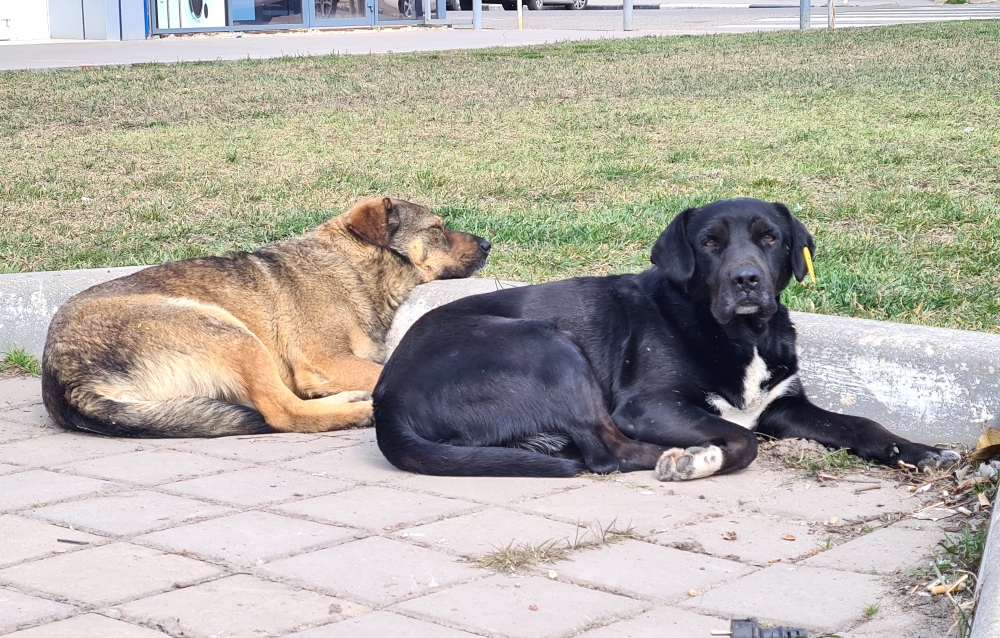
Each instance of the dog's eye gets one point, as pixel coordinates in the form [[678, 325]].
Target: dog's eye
[[710, 243], [768, 239]]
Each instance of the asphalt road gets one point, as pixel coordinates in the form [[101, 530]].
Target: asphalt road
[[730, 19]]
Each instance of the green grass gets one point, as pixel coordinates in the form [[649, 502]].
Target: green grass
[[17, 358], [570, 157], [829, 462]]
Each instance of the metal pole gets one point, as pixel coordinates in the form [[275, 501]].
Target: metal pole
[[520, 15], [442, 10], [804, 13], [477, 15], [425, 9], [627, 15], [831, 14]]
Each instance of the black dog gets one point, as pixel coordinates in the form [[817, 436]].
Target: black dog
[[673, 368]]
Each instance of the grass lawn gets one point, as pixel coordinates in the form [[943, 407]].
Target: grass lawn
[[570, 157]]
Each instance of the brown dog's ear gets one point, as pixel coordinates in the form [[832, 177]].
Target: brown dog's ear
[[373, 221], [672, 252], [800, 239]]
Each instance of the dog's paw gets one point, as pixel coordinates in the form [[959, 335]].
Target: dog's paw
[[351, 396], [938, 459], [677, 464]]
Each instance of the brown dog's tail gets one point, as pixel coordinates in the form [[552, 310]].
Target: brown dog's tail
[[174, 418]]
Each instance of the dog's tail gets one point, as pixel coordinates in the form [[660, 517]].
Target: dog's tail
[[173, 418], [408, 451]]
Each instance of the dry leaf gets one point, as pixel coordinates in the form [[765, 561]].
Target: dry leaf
[[988, 445]]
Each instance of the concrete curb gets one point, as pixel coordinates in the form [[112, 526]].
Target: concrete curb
[[986, 623], [928, 384]]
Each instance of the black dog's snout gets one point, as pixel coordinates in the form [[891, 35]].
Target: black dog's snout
[[747, 278], [485, 245]]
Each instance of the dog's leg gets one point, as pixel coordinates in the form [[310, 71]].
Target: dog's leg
[[796, 417], [698, 443], [350, 376]]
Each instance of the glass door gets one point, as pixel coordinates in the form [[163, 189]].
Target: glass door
[[340, 13]]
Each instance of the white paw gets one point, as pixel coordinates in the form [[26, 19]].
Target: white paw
[[351, 396], [677, 464], [942, 458]]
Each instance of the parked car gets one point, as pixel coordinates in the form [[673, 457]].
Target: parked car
[[533, 5]]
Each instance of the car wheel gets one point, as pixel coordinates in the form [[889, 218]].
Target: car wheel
[[576, 4], [453, 5], [534, 5]]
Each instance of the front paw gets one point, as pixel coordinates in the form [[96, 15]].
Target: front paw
[[937, 458], [677, 464]]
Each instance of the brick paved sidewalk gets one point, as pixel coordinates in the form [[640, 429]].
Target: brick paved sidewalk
[[317, 536]]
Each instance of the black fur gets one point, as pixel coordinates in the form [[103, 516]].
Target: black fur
[[621, 366]]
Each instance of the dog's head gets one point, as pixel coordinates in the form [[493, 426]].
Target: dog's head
[[741, 253], [414, 232]]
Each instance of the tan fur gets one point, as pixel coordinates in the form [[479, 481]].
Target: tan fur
[[295, 331]]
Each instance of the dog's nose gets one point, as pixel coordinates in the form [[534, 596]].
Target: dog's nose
[[746, 278], [485, 245]]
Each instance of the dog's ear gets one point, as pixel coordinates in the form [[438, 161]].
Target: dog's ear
[[800, 239], [672, 252], [374, 221]]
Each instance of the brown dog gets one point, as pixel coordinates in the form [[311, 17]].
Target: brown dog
[[286, 339]]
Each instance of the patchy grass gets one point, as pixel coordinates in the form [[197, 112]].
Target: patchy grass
[[570, 157], [17, 358], [517, 557], [830, 462]]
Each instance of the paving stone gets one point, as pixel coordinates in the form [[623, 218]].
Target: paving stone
[[490, 490], [13, 431], [20, 390], [664, 622], [257, 486], [377, 570], [49, 451], [381, 624], [811, 501], [34, 487], [637, 568], [758, 539], [250, 538], [604, 503], [131, 513], [238, 607], [151, 467], [883, 551], [377, 508], [17, 610], [89, 626], [362, 462], [266, 448], [30, 414], [482, 532], [734, 489], [108, 574], [792, 595], [503, 605], [24, 539]]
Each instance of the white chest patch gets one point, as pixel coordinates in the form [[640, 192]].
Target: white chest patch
[[755, 397]]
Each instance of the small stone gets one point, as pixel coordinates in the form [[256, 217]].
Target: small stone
[[533, 607], [833, 520], [552, 574], [692, 592], [788, 537]]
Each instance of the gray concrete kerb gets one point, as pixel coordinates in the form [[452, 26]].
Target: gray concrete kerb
[[929, 384]]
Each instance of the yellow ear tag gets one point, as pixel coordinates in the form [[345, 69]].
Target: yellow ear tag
[[809, 263]]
